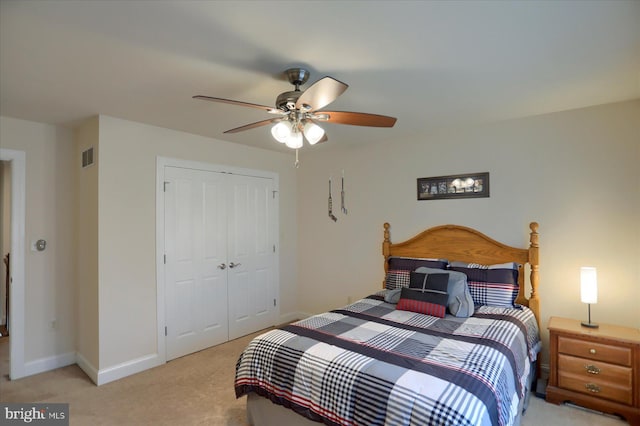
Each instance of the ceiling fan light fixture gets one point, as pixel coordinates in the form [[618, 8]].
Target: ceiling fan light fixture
[[281, 132], [313, 132], [294, 141]]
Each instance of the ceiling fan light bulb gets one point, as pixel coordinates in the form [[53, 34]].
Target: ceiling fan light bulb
[[294, 141], [281, 132], [313, 132]]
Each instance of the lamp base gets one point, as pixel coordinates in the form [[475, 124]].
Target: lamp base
[[589, 324]]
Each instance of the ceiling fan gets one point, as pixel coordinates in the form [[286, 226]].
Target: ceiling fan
[[298, 112]]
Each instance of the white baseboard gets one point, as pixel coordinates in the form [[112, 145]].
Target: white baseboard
[[99, 377], [289, 317], [87, 367], [127, 368], [106, 375], [304, 315], [292, 316], [49, 363]]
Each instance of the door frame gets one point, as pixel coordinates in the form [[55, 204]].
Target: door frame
[[161, 163], [17, 294]]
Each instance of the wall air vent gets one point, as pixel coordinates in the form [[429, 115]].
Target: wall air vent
[[87, 157]]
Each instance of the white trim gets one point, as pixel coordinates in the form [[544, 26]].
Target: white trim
[[220, 168], [292, 316], [161, 163], [18, 161], [50, 363], [87, 367], [128, 368], [106, 375], [303, 315], [160, 278]]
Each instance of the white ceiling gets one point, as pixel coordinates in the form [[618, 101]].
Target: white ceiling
[[428, 63]]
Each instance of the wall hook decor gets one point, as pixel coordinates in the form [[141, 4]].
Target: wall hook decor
[[342, 206], [331, 215]]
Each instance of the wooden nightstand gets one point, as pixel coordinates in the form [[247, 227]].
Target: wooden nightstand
[[598, 368]]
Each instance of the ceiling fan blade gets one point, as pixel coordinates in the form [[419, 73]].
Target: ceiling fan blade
[[253, 125], [271, 110], [320, 94], [355, 118]]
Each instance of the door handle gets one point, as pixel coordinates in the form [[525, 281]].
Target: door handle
[[233, 265], [222, 266]]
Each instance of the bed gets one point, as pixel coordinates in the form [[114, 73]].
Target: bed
[[397, 357]]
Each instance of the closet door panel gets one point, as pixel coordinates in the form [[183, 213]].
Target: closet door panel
[[251, 282], [195, 245], [220, 268]]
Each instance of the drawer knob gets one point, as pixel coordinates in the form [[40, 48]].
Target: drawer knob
[[592, 387], [592, 351], [592, 369]]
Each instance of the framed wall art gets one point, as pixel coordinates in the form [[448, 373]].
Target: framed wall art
[[470, 185]]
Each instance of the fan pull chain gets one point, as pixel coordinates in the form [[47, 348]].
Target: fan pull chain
[[297, 163]]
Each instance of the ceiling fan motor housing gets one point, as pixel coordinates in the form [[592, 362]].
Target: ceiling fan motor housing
[[287, 101]]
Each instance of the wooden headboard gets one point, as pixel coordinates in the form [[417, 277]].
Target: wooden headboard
[[460, 243]]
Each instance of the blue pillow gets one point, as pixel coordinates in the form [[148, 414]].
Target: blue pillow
[[392, 296], [460, 302]]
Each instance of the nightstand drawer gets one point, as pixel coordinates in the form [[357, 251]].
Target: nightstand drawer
[[596, 351], [595, 387], [596, 370]]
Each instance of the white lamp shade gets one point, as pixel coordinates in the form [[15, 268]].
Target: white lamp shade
[[313, 132], [281, 132], [294, 141], [588, 285]]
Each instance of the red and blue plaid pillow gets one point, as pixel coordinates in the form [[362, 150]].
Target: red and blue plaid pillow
[[427, 294], [398, 275], [491, 285]]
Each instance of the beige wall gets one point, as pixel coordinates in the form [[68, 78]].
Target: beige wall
[[87, 327], [110, 249], [50, 275], [127, 239], [574, 172]]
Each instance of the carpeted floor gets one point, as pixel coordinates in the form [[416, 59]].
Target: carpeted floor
[[193, 390]]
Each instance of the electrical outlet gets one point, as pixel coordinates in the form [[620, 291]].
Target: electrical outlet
[[53, 324]]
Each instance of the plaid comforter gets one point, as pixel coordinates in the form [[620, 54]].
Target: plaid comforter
[[370, 364]]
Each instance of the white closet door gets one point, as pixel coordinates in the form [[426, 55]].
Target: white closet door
[[251, 254], [196, 247]]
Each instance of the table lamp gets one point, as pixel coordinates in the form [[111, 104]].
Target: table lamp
[[589, 291]]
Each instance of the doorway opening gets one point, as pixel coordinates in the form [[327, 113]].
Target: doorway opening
[[14, 228]]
